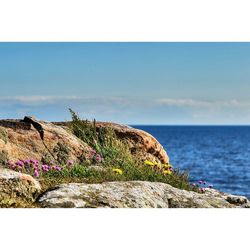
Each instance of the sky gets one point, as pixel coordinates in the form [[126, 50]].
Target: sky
[[130, 83]]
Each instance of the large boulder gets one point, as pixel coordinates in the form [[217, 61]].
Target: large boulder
[[15, 186], [30, 138], [141, 143], [134, 194], [33, 139]]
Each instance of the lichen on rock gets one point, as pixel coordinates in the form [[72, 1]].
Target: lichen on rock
[[134, 194], [16, 186]]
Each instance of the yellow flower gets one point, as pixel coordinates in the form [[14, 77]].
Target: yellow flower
[[117, 171], [167, 165], [167, 172], [150, 163]]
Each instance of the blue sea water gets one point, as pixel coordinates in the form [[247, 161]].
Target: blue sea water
[[219, 155]]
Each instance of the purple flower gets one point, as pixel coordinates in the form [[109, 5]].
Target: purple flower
[[36, 173], [32, 161], [98, 158], [204, 182], [20, 163], [210, 186], [26, 162], [200, 182], [58, 168], [45, 168]]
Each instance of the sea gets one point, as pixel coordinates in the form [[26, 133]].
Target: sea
[[219, 155]]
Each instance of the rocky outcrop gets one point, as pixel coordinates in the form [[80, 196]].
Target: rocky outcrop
[[135, 194], [14, 185], [141, 143], [30, 138]]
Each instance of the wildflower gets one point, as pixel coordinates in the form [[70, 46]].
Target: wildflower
[[200, 182], [57, 168], [98, 158], [19, 163], [204, 183], [36, 173], [167, 165], [117, 171], [32, 161], [26, 162], [167, 172], [45, 168], [210, 186], [149, 163]]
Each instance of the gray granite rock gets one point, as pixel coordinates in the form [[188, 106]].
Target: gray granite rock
[[135, 194]]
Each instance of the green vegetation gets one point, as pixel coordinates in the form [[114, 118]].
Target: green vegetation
[[113, 154], [110, 159]]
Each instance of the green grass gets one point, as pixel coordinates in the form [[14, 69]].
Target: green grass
[[115, 154], [80, 173]]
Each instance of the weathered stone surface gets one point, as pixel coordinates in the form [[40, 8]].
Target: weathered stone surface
[[133, 194], [141, 143], [22, 139], [30, 138], [17, 185]]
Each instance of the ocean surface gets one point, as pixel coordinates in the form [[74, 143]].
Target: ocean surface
[[219, 155]]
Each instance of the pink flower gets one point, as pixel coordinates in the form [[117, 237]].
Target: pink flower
[[32, 161], [26, 162], [45, 168], [20, 163], [98, 158], [58, 168], [36, 173]]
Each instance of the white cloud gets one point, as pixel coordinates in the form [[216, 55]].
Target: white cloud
[[204, 104], [123, 101], [130, 109]]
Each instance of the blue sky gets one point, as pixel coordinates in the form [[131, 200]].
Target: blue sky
[[132, 83]]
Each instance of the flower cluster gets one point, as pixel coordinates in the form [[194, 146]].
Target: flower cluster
[[202, 185], [94, 156], [33, 167], [166, 169]]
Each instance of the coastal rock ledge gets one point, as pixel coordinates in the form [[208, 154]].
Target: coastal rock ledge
[[136, 194], [32, 138]]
